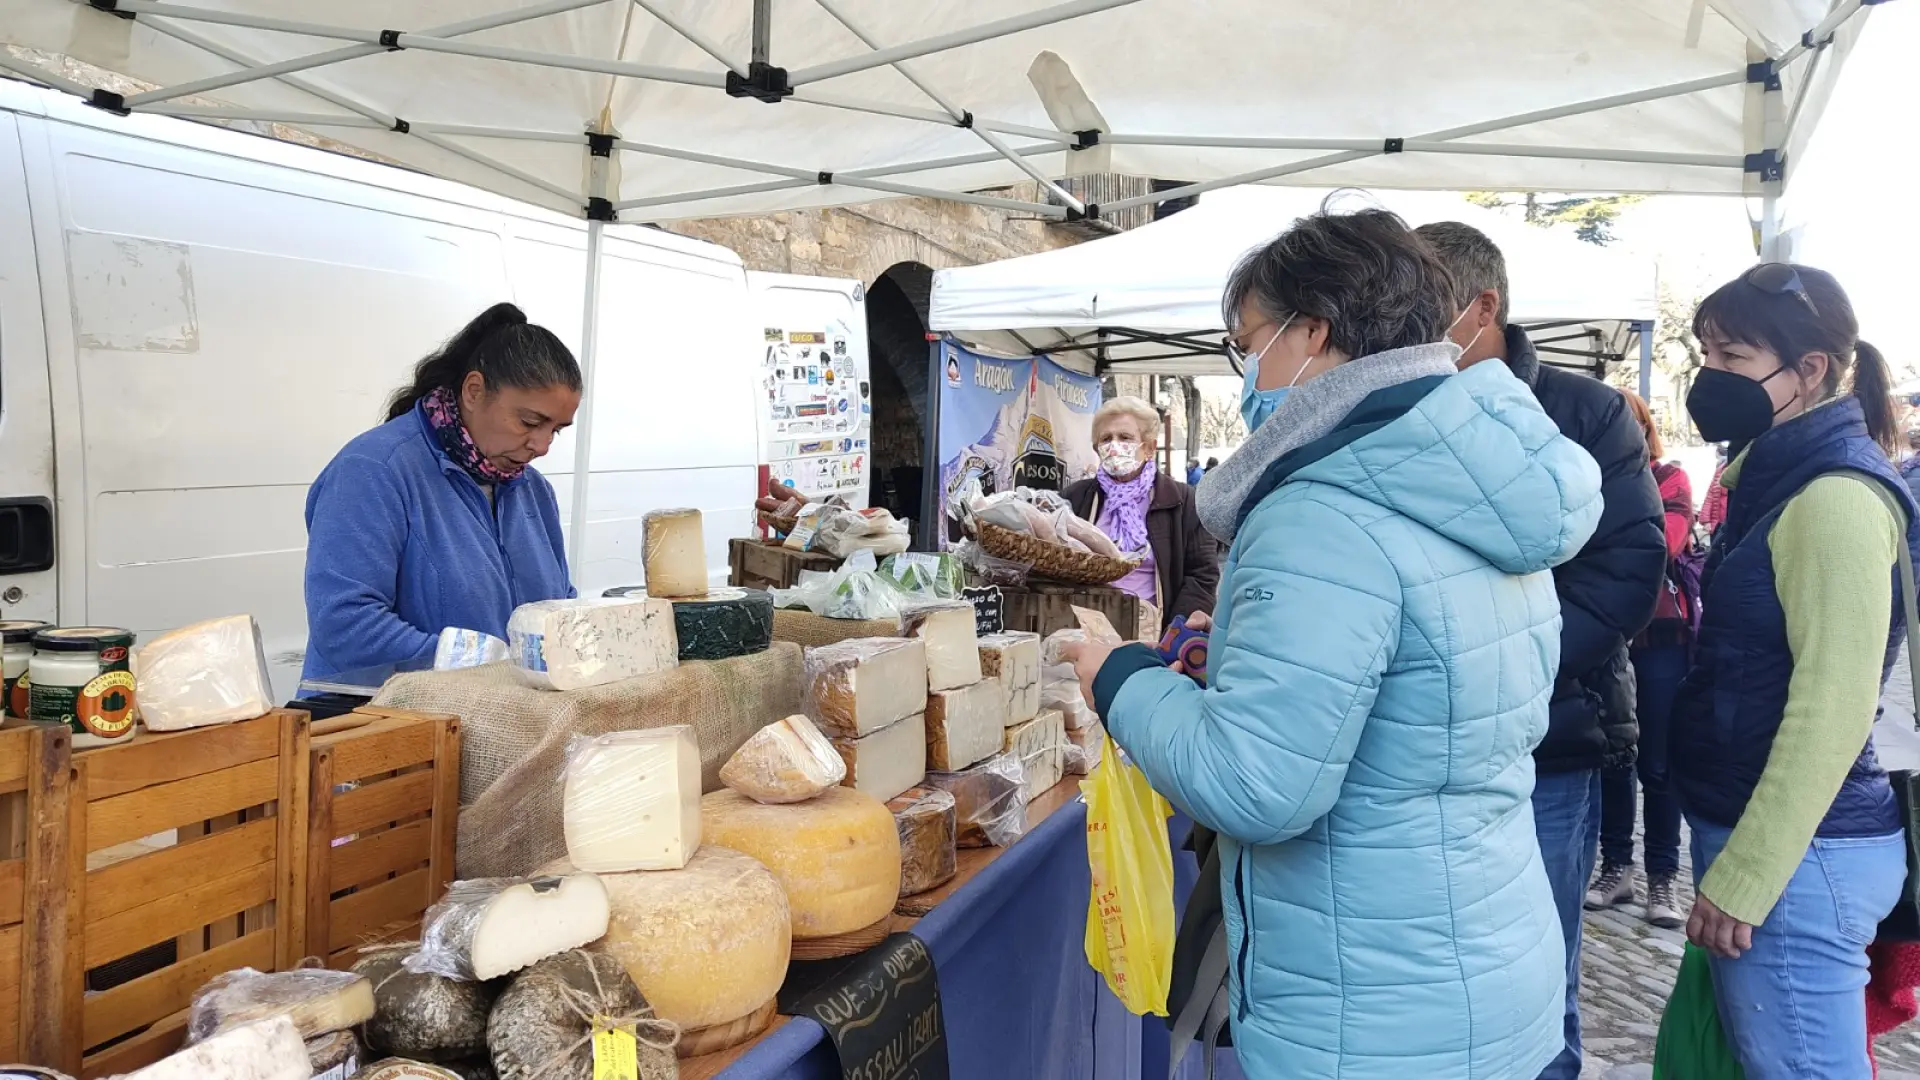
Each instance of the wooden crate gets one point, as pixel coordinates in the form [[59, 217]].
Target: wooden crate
[[381, 851], [1042, 609], [226, 889], [35, 780], [760, 564]]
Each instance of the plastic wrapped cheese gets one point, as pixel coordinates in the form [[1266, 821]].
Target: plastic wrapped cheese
[[784, 762], [1084, 747], [674, 548], [214, 672], [886, 762], [965, 726], [467, 648], [953, 643], [316, 1000], [990, 801], [926, 821], [631, 800], [708, 944], [859, 686], [574, 644], [264, 1050], [1041, 746], [489, 927], [837, 856], [1014, 659]]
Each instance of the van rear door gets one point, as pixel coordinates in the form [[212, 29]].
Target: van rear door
[[28, 589]]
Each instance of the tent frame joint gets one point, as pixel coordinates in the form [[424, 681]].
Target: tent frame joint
[[1394, 146], [111, 7], [966, 120], [1085, 140], [401, 126], [1091, 213], [763, 82], [599, 209], [1765, 72], [1807, 42], [109, 101], [390, 40], [600, 144], [825, 178], [1770, 164]]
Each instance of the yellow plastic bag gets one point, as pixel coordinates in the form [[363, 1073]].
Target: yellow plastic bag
[[1130, 919]]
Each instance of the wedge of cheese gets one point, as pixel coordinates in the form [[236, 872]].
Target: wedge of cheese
[[860, 686], [1041, 746], [574, 644], [990, 801], [953, 643], [213, 672], [784, 762], [1014, 659], [263, 1050], [965, 725], [887, 762], [925, 819], [631, 800]]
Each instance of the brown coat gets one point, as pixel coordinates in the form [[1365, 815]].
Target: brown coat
[[1186, 555]]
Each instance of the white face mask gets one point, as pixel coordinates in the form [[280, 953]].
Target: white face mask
[[1119, 457]]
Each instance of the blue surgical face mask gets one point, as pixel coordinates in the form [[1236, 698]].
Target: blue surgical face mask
[[1257, 404]]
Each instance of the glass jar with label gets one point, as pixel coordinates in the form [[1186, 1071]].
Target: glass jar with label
[[82, 677], [17, 638]]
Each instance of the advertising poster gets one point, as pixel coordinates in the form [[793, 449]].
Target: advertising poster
[[817, 402]]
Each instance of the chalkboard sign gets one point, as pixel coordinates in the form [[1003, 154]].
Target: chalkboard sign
[[989, 609], [881, 1009]]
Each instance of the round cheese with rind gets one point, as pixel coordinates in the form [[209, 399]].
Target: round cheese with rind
[[837, 855]]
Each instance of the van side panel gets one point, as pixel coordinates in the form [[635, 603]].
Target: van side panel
[[26, 419]]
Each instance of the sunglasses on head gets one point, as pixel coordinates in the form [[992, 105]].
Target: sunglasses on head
[[1780, 279]]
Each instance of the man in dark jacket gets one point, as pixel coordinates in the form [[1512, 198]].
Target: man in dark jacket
[[1607, 592]]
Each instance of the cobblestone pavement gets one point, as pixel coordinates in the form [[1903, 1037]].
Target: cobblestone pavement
[[1627, 970]]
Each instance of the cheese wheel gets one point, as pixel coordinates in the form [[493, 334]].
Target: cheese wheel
[[707, 944], [837, 856], [675, 552]]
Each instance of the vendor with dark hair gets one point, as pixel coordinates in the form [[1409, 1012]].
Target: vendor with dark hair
[[434, 519]]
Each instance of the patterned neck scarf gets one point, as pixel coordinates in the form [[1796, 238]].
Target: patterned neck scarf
[[443, 416], [1123, 515]]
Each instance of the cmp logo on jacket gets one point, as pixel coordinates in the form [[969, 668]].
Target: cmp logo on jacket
[[1256, 594]]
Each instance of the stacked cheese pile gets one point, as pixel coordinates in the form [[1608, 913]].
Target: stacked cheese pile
[[966, 710], [870, 696], [1035, 736]]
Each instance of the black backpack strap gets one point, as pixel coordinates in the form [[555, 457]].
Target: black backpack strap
[[1207, 1000]]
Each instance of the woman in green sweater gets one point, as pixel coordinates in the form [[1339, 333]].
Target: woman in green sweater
[[1797, 844]]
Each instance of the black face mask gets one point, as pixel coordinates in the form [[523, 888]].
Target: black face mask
[[1731, 408]]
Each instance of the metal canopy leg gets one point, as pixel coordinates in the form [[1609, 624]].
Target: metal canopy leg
[[583, 428], [1646, 361]]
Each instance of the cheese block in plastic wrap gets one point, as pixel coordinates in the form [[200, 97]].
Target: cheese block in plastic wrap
[[574, 644], [1084, 747], [785, 762], [420, 1014], [965, 726], [542, 1026], [1041, 746], [485, 929], [333, 1056], [953, 643], [632, 800], [889, 761], [674, 550], [837, 856], [316, 1000], [1014, 659], [214, 672], [1076, 713], [723, 624], [990, 801], [707, 945], [863, 685], [926, 820], [263, 1050]]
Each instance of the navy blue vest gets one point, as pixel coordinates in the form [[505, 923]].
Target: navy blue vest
[[1731, 703]]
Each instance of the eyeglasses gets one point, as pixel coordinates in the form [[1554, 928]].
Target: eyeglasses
[[1780, 279], [1235, 352]]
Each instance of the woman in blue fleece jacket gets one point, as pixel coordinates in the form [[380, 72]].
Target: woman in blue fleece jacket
[[434, 519]]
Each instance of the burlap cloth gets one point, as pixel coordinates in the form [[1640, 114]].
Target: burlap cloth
[[805, 628], [514, 739]]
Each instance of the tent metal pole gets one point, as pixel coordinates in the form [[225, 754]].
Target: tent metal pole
[[1436, 146], [700, 41], [1046, 210], [744, 164], [245, 21], [1254, 177], [926, 116], [261, 116], [1073, 9], [712, 193], [762, 31], [947, 163], [1773, 130], [789, 185], [1842, 11], [583, 437], [43, 76], [1646, 361]]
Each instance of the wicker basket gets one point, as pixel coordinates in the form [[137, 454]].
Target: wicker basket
[[1052, 560]]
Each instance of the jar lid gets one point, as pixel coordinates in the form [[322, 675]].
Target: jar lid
[[16, 631], [82, 639]]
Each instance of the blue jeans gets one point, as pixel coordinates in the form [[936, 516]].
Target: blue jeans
[[1657, 673], [1566, 819], [1795, 1004]]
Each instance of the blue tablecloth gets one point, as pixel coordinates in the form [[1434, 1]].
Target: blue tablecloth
[[1018, 996]]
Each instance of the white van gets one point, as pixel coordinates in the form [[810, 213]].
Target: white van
[[194, 320]]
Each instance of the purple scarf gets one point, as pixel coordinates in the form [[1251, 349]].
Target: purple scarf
[[1123, 516], [443, 416]]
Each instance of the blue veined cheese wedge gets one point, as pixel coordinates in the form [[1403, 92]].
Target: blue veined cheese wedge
[[575, 644]]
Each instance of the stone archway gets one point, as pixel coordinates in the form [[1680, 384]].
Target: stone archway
[[897, 365]]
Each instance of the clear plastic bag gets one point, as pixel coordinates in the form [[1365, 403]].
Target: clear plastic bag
[[1059, 685], [214, 672], [855, 591], [616, 785], [987, 569], [990, 799], [859, 686], [315, 999], [919, 573], [876, 530], [467, 648]]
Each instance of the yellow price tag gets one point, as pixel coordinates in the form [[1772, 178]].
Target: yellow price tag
[[616, 1055]]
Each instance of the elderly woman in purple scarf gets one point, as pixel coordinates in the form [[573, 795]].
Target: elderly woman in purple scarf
[[1147, 513]]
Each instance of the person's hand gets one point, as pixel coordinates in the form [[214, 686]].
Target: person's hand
[[1087, 658], [1200, 621], [1716, 931]]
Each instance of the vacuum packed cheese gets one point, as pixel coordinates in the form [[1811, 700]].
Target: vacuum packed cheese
[[1084, 746], [886, 762], [316, 1000], [542, 1026], [863, 685], [263, 1050], [1041, 746], [675, 552], [990, 801], [926, 821], [494, 926], [1078, 715], [632, 800], [333, 1056], [707, 945], [1015, 660], [837, 856], [420, 1014], [784, 762], [573, 644], [965, 726], [953, 643], [213, 672], [723, 624]]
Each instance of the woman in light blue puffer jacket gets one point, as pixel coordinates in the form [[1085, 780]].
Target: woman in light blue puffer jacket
[[1383, 652]]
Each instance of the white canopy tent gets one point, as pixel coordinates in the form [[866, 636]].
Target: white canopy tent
[[654, 109], [1147, 301]]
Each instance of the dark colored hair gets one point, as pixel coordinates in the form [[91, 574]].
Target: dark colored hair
[[1791, 325], [1212, 461], [1473, 259], [504, 348], [1374, 282]]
